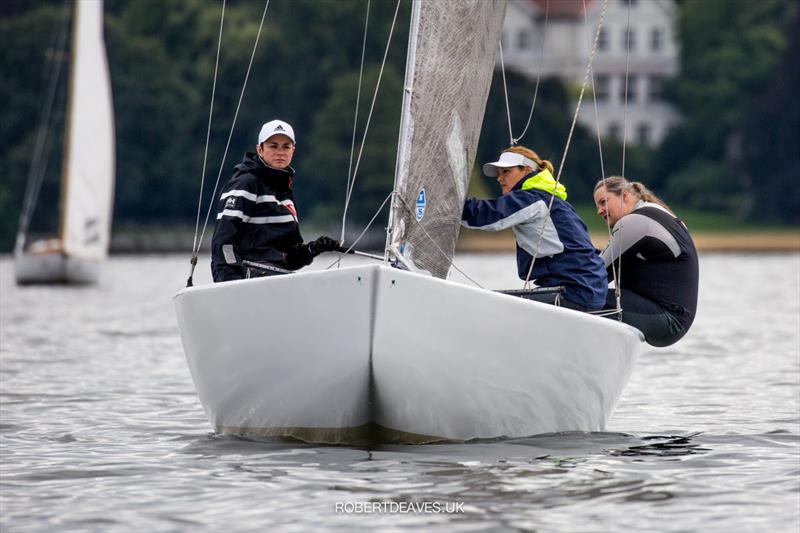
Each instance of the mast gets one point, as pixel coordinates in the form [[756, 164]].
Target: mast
[[62, 204], [451, 52], [406, 124]]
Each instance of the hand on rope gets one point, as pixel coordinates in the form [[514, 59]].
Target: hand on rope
[[323, 244]]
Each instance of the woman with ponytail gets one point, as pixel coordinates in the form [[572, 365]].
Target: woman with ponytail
[[653, 257], [545, 225]]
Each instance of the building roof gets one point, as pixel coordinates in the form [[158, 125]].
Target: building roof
[[563, 9]]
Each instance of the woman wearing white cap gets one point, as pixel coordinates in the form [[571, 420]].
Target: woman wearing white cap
[[564, 253], [257, 220]]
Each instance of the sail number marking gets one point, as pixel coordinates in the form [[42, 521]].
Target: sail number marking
[[422, 199]]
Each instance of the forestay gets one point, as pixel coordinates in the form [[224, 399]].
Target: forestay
[[451, 54]]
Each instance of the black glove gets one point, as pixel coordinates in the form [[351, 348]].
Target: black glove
[[323, 244]]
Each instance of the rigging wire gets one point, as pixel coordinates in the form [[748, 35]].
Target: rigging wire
[[515, 141], [227, 145], [618, 309], [433, 241], [205, 152], [364, 232], [38, 159], [350, 176], [617, 290], [505, 93], [569, 138], [371, 108]]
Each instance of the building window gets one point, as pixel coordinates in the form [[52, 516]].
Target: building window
[[602, 87], [656, 39], [631, 96], [523, 40], [629, 40], [644, 133], [654, 87], [614, 130], [602, 40]]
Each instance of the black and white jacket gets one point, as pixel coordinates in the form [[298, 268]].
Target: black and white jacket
[[256, 221]]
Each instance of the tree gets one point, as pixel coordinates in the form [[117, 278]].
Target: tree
[[729, 53], [770, 139]]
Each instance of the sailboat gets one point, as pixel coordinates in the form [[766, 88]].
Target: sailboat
[[76, 253], [393, 351]]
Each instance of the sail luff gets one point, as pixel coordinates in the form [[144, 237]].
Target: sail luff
[[448, 74], [406, 126], [63, 204], [88, 178]]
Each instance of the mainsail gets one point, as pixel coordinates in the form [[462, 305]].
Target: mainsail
[[88, 180], [451, 55]]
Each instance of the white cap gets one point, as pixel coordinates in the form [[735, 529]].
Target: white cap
[[508, 159], [275, 127]]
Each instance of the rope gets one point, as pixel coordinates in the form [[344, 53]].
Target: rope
[[514, 141], [445, 254], [369, 224], [193, 260], [230, 135], [602, 167], [569, 138], [350, 176], [371, 109], [38, 159], [505, 93], [618, 269]]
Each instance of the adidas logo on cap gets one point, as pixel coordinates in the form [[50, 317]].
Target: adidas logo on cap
[[275, 127]]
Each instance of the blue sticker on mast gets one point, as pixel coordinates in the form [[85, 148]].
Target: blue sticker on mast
[[421, 201]]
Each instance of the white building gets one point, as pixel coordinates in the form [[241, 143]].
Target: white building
[[639, 32]]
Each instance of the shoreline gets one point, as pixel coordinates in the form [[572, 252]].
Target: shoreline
[[705, 241], [470, 241]]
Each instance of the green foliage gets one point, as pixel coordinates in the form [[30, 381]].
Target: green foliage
[[729, 56], [705, 184], [31, 51], [770, 139], [305, 70]]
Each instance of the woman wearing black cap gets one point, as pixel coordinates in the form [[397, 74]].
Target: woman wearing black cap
[[257, 220]]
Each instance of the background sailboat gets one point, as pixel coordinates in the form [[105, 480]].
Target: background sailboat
[[87, 182]]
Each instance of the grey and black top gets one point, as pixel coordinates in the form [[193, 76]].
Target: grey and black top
[[658, 260]]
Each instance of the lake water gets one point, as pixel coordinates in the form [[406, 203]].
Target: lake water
[[101, 429]]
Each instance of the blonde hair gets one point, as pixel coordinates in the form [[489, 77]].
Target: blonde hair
[[530, 154], [617, 185]]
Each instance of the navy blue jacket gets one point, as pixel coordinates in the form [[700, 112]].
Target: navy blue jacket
[[565, 255], [256, 221]]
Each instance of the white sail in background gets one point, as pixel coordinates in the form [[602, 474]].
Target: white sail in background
[[448, 62], [88, 181]]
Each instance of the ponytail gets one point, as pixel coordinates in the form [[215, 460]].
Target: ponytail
[[530, 154]]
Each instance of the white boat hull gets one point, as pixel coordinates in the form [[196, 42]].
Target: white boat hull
[[55, 268], [376, 353]]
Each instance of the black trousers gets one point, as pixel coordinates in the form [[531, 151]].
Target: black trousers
[[660, 326]]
